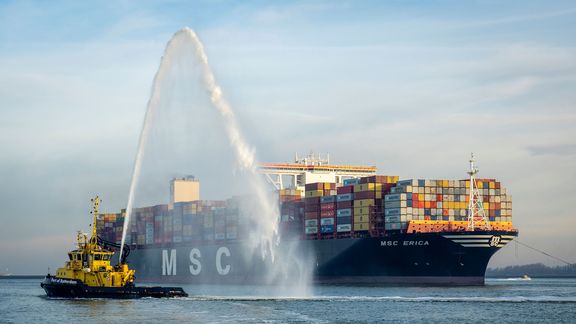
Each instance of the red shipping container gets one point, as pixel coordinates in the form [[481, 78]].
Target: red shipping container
[[314, 186], [327, 213], [312, 215], [312, 200], [330, 206], [374, 179], [365, 195], [345, 189], [344, 204], [312, 208]]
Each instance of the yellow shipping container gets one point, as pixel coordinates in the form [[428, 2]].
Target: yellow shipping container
[[364, 203], [392, 179], [314, 193], [365, 211], [361, 219], [361, 226], [368, 187]]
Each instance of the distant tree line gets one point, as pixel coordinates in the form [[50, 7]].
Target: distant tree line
[[533, 270]]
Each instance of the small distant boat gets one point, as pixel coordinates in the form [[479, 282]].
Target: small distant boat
[[526, 277], [89, 274]]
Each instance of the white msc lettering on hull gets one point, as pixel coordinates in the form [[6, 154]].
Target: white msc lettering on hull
[[169, 264], [222, 250], [196, 266], [404, 243]]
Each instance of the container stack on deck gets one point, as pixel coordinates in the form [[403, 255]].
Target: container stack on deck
[[443, 200], [368, 206], [345, 207], [313, 207]]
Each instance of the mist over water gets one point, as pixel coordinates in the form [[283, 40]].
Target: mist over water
[[186, 126]]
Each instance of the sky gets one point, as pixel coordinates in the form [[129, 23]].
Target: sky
[[411, 87]]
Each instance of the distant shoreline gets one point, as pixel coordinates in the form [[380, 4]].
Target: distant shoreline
[[22, 277]]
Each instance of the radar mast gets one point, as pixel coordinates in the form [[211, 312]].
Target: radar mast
[[476, 213]]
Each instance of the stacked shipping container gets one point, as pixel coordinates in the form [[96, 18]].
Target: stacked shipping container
[[443, 200], [360, 207], [368, 208], [313, 209]]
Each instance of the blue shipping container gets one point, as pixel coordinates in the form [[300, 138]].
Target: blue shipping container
[[348, 182], [345, 197], [327, 229], [344, 212], [327, 199], [344, 220]]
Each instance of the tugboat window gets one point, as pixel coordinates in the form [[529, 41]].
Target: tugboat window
[[98, 257]]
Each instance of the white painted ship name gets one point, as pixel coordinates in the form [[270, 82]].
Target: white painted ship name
[[404, 243]]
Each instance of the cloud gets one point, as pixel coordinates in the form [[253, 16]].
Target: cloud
[[555, 149], [512, 19]]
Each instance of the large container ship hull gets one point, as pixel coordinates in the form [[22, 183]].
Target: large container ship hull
[[450, 258]]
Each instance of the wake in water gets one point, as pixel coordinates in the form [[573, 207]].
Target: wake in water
[[500, 299], [290, 269]]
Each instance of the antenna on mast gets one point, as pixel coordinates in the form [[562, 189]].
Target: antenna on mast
[[476, 213]]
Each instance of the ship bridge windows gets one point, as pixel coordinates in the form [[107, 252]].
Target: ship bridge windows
[[70, 256], [98, 257]]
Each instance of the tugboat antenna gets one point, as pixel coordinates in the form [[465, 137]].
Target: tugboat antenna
[[476, 212]]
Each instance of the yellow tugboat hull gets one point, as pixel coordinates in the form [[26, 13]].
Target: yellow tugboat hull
[[67, 288]]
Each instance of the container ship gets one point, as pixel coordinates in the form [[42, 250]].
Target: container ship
[[352, 225]]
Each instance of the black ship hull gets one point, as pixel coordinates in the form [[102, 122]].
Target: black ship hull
[[450, 258], [66, 288]]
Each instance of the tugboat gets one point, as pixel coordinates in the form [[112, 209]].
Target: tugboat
[[89, 274]]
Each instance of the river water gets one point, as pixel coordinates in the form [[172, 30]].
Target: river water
[[500, 301]]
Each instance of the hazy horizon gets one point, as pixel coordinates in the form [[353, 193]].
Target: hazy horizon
[[409, 87]]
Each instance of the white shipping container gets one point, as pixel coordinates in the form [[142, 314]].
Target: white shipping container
[[326, 221], [392, 219], [311, 230], [311, 222], [392, 226], [343, 228]]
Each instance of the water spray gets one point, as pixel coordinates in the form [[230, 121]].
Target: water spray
[[266, 211]]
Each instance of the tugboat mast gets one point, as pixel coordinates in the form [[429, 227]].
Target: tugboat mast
[[476, 213], [96, 200]]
